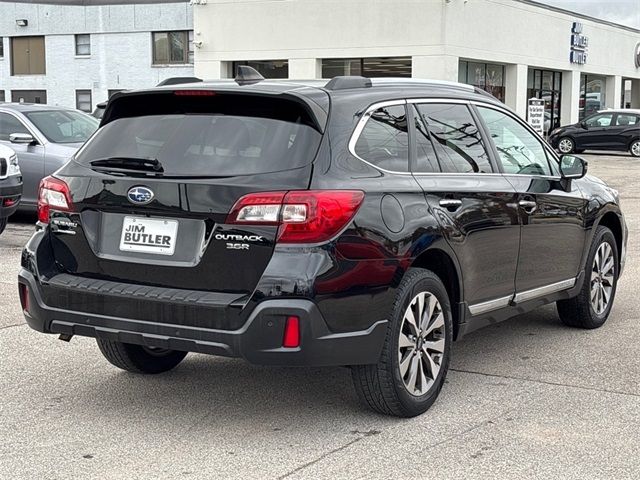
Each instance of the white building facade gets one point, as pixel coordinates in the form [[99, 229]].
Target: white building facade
[[516, 49], [75, 54]]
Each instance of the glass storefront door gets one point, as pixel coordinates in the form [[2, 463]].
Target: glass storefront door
[[592, 93], [487, 76], [547, 85]]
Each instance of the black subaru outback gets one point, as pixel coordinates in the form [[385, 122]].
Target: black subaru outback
[[365, 223]]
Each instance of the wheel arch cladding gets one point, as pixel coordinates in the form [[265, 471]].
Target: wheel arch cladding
[[441, 263], [613, 223]]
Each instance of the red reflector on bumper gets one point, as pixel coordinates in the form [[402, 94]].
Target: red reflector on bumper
[[23, 290], [291, 333]]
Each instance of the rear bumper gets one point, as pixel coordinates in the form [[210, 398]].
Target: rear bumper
[[259, 340], [10, 193]]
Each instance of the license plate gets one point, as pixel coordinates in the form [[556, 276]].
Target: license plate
[[148, 236]]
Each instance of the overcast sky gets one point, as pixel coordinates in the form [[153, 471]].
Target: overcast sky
[[625, 12]]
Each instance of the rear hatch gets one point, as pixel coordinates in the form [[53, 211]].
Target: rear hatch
[[151, 191]]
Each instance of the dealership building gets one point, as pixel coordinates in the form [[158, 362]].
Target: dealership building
[[76, 53], [515, 49]]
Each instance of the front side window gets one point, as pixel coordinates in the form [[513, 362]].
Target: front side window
[[172, 47], [602, 120], [10, 124], [83, 45], [63, 126], [384, 141], [456, 138], [519, 151], [625, 119]]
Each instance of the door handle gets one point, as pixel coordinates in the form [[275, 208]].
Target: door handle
[[528, 206], [450, 204]]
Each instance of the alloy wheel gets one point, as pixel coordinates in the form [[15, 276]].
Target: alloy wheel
[[421, 344], [635, 149], [565, 145], [602, 278]]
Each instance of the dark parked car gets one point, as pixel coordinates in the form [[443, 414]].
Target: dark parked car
[[44, 137], [617, 130], [366, 223], [10, 185]]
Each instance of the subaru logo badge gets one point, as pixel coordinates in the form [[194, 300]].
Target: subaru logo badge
[[140, 195]]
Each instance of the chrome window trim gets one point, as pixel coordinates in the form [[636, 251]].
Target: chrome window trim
[[410, 101], [545, 290], [355, 136], [501, 302]]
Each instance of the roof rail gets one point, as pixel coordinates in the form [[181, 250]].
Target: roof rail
[[246, 75], [346, 82]]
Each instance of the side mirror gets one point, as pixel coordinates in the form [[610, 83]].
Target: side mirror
[[24, 138], [584, 125], [572, 167]]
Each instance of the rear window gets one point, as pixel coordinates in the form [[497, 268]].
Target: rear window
[[211, 136]]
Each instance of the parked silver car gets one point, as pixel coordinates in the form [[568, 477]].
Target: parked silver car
[[44, 138]]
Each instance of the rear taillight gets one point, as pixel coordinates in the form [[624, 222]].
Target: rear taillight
[[53, 194], [304, 216]]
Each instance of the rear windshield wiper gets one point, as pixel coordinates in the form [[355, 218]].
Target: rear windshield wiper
[[128, 163]]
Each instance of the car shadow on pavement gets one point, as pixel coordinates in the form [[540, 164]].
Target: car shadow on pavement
[[232, 390]]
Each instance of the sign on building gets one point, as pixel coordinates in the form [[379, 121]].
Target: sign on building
[[579, 44], [535, 115]]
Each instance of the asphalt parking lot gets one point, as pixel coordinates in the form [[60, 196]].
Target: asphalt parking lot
[[528, 398]]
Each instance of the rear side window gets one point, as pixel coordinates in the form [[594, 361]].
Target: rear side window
[[624, 119], [384, 141], [225, 135], [456, 138]]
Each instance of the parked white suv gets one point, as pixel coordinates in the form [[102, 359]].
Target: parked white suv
[[10, 184]]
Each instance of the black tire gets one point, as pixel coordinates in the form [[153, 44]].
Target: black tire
[[3, 224], [381, 386], [139, 359], [571, 148], [634, 148], [579, 311]]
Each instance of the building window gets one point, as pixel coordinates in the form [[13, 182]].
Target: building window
[[487, 76], [27, 56], [1, 47], [83, 100], [367, 67], [29, 96], [172, 47], [592, 93], [547, 85], [2, 97], [83, 45], [266, 68]]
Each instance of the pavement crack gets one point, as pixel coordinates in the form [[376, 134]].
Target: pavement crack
[[331, 452], [546, 382], [13, 325]]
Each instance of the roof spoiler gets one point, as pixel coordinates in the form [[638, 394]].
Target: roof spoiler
[[346, 82], [246, 75]]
